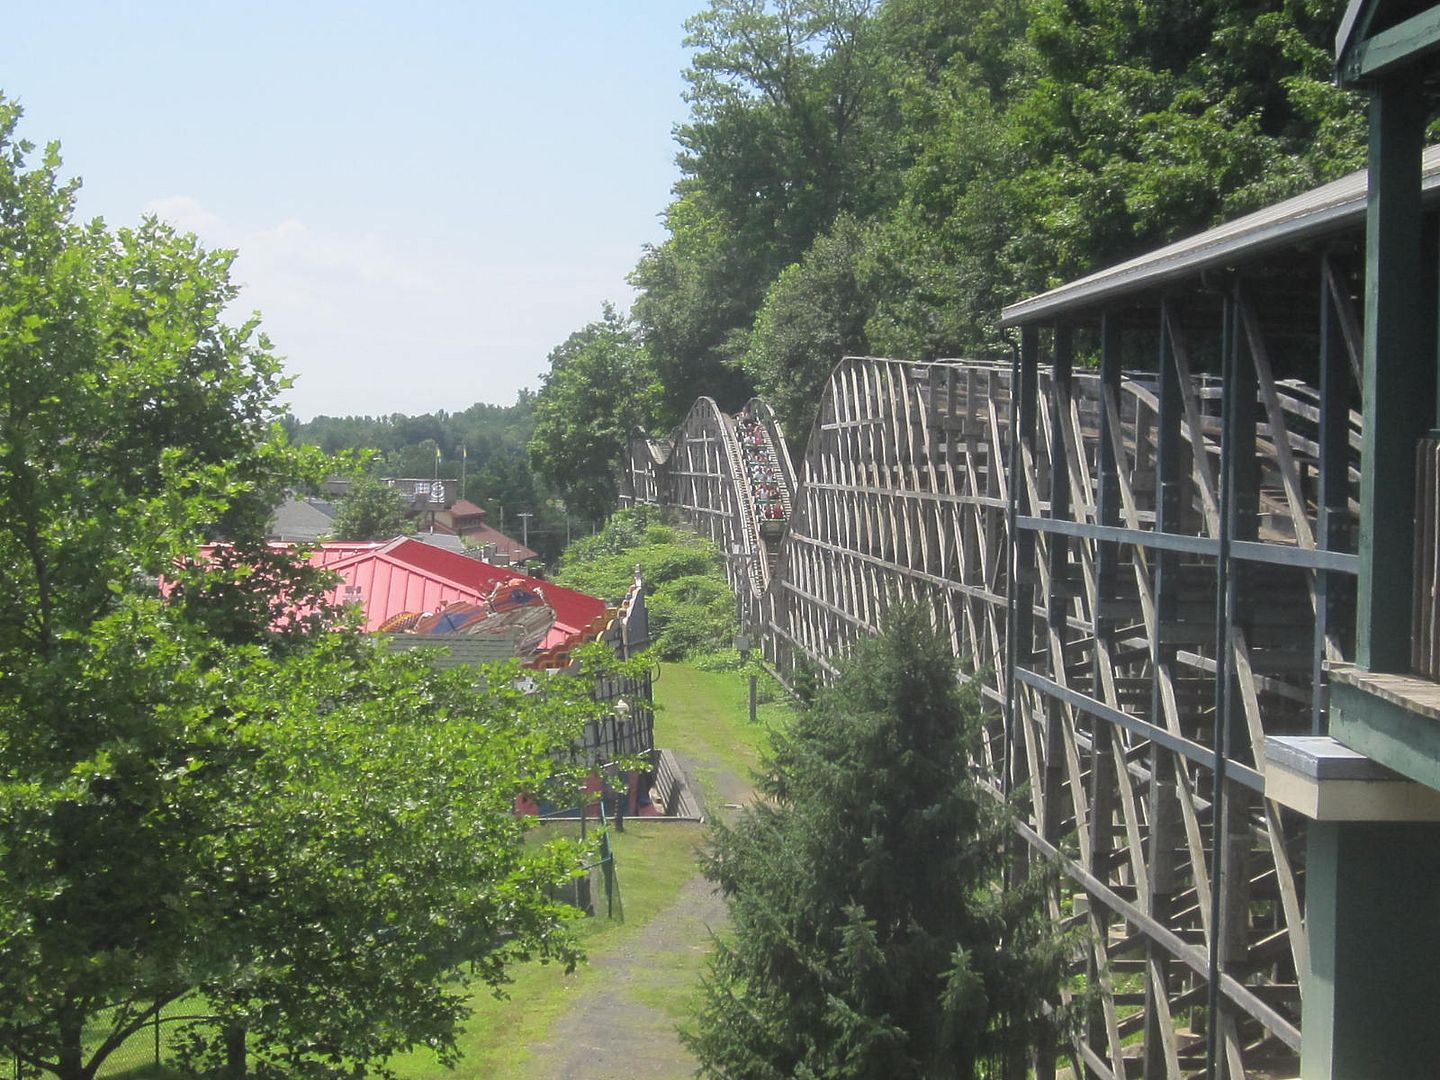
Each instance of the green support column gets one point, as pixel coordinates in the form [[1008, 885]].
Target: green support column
[[1371, 994], [1399, 389], [1372, 998]]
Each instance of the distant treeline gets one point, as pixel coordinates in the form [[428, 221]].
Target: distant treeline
[[486, 444], [881, 176]]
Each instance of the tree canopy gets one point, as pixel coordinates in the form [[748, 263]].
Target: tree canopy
[[370, 510], [599, 387], [882, 176], [207, 780], [485, 446]]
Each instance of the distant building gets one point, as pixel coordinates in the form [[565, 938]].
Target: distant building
[[422, 494], [438, 512], [468, 612], [302, 521], [393, 579], [465, 611], [467, 521]]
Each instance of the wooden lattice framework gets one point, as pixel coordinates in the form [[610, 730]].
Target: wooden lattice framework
[[1092, 537]]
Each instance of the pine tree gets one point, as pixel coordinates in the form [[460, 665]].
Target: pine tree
[[871, 937]]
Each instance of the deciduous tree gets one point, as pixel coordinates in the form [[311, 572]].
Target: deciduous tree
[[371, 510], [206, 780], [814, 316], [600, 386]]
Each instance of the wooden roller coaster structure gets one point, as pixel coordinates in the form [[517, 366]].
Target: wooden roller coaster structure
[[1147, 572]]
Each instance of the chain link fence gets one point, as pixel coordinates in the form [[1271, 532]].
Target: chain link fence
[[146, 1055]]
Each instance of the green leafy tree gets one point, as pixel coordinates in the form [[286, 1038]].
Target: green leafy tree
[[870, 935], [788, 128], [181, 729], [363, 890], [984, 151], [1053, 138], [485, 446], [814, 316], [691, 607], [371, 510], [787, 107], [599, 388], [697, 296]]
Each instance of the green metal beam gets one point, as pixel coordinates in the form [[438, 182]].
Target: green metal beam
[[1401, 45], [1387, 732], [1371, 996]]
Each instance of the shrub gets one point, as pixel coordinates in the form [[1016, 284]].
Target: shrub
[[692, 610]]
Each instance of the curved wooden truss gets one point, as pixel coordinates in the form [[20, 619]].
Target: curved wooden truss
[[1141, 568], [705, 470]]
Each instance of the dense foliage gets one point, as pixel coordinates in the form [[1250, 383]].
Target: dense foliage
[[486, 446], [882, 176], [206, 780], [689, 600], [871, 936], [371, 510], [598, 389]]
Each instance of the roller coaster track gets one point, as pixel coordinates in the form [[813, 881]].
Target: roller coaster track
[[1066, 530], [705, 469]]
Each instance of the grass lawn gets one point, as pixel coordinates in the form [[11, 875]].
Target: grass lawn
[[704, 715], [652, 863]]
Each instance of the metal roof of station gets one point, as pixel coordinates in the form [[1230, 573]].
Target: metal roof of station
[[1326, 211]]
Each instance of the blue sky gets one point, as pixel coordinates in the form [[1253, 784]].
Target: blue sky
[[426, 198]]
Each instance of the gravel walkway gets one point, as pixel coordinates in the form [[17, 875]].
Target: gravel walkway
[[607, 1034], [616, 1028]]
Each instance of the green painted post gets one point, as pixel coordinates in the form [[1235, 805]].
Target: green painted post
[[1372, 994], [1399, 390]]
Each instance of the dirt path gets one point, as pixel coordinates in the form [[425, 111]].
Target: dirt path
[[617, 1029], [623, 1025]]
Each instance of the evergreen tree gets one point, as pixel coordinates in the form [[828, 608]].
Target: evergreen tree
[[871, 936]]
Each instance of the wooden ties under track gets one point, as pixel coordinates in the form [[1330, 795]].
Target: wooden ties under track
[[1066, 531]]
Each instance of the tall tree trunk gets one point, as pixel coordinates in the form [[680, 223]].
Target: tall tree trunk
[[235, 1064], [72, 1052]]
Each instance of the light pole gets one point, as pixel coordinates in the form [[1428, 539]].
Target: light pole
[[622, 719]]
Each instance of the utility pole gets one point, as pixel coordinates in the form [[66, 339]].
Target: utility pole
[[525, 527]]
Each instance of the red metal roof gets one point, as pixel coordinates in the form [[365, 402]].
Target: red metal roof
[[404, 574], [509, 547]]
